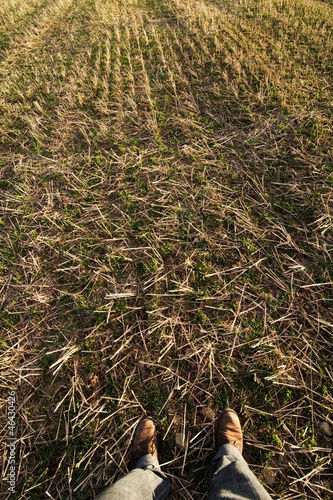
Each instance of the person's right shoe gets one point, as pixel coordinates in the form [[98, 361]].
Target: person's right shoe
[[228, 429]]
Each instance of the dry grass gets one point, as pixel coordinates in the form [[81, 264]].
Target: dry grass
[[166, 233]]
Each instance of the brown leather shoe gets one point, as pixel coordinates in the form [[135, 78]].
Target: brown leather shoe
[[228, 429], [145, 439]]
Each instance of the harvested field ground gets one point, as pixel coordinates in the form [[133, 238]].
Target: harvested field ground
[[166, 238]]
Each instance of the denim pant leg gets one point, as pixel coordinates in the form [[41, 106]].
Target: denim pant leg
[[231, 478], [145, 482]]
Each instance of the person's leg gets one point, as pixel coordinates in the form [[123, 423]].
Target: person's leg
[[146, 481], [230, 476]]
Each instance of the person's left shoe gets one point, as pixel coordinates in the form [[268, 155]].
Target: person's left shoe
[[229, 430], [145, 439]]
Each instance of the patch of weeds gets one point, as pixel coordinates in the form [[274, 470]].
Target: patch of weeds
[[286, 395], [167, 251], [154, 398], [248, 243], [222, 399], [200, 318], [136, 224], [146, 268], [111, 387], [120, 306], [200, 269], [276, 440], [3, 343], [253, 276], [256, 327], [47, 360], [247, 381]]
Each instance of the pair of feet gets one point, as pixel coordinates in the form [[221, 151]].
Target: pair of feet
[[228, 431]]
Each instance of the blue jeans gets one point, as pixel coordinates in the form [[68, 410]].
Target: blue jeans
[[230, 479]]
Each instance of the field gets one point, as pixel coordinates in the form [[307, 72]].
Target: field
[[166, 238]]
